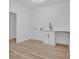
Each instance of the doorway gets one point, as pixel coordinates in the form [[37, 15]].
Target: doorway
[[12, 26]]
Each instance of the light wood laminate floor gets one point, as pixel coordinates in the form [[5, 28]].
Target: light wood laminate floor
[[32, 49]]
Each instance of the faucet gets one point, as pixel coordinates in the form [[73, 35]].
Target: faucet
[[50, 26]]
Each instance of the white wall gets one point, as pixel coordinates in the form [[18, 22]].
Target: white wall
[[12, 25], [22, 24], [58, 14]]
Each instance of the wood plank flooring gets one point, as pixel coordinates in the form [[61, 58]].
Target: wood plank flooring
[[32, 49]]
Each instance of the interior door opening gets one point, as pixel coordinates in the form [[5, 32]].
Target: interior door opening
[[12, 26]]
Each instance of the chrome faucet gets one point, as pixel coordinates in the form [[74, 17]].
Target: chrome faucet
[[50, 26]]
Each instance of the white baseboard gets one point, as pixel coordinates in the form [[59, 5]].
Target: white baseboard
[[62, 43], [12, 37], [35, 38]]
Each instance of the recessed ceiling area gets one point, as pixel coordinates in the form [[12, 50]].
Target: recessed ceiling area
[[38, 3]]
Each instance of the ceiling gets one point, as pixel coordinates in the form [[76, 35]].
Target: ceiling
[[38, 3]]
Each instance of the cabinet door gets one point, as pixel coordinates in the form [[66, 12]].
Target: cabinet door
[[51, 39]]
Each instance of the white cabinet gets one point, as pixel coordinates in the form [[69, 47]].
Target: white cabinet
[[49, 38], [62, 37]]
